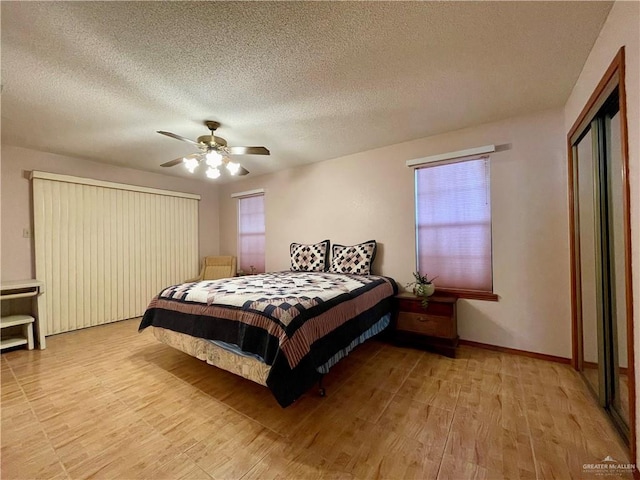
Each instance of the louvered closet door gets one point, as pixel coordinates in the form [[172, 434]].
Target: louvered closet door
[[104, 250]]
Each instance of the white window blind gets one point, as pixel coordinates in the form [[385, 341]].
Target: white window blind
[[453, 224], [105, 249], [251, 233]]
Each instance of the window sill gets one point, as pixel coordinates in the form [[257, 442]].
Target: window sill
[[469, 294]]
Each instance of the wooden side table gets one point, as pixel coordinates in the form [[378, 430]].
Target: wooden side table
[[434, 328]]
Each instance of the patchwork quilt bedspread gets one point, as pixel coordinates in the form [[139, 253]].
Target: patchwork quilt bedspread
[[295, 321]]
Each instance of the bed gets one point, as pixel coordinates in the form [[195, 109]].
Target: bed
[[283, 330]]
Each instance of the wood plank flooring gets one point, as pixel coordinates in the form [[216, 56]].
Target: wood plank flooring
[[108, 402]]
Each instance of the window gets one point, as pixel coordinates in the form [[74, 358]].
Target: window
[[453, 224], [251, 233]]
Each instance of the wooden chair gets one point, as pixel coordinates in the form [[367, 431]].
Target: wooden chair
[[214, 268]]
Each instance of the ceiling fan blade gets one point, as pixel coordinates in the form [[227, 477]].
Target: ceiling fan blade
[[242, 171], [172, 163], [177, 137], [248, 151], [175, 162]]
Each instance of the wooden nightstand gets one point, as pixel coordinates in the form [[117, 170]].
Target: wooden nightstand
[[434, 328]]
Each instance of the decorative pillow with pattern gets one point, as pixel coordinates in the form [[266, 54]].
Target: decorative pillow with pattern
[[309, 258], [356, 259]]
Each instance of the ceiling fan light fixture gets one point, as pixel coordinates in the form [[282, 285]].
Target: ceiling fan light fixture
[[190, 164], [214, 152], [233, 167], [213, 173], [214, 159]]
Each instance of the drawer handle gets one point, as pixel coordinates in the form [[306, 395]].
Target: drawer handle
[[422, 319]]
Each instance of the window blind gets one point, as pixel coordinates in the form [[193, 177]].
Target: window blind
[[104, 249], [453, 224], [251, 233]]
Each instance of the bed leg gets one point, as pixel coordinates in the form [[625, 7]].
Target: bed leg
[[321, 391]]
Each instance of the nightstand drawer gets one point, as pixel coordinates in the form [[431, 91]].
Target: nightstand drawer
[[424, 324], [434, 307]]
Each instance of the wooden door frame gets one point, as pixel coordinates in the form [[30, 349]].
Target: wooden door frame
[[614, 76]]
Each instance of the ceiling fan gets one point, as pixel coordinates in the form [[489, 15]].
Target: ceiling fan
[[215, 153]]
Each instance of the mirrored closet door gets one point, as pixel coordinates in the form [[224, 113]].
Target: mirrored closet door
[[603, 351]]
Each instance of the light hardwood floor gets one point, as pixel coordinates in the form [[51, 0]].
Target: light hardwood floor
[[107, 402]]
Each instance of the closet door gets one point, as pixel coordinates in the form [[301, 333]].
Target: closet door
[[600, 261], [588, 265], [614, 231]]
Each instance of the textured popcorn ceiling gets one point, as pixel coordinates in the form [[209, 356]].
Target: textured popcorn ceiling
[[309, 80]]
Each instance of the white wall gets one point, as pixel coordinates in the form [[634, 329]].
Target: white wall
[[622, 28], [17, 262], [370, 195]]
